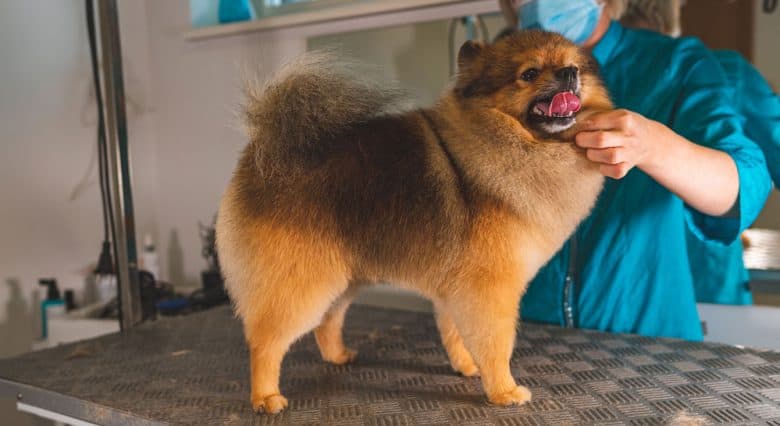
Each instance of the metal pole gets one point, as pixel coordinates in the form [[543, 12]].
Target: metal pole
[[116, 126]]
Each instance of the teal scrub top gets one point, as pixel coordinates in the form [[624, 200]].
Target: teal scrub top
[[719, 273], [630, 271]]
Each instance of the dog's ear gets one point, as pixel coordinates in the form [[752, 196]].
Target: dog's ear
[[470, 51], [506, 32], [471, 64]]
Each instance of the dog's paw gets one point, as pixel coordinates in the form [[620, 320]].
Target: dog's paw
[[517, 396], [344, 357], [270, 404]]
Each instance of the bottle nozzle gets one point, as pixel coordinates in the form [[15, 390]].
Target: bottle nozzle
[[52, 292]]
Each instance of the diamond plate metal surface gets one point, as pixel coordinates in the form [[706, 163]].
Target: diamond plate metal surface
[[194, 370]]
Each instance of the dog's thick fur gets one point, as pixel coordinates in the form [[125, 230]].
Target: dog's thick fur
[[462, 202]]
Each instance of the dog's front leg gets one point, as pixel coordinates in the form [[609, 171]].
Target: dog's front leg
[[460, 358], [486, 313]]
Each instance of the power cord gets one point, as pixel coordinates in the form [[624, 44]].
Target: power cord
[[105, 265]]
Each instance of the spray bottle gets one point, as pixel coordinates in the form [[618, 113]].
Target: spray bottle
[[149, 260], [52, 306]]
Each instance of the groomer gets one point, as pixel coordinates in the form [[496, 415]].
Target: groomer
[[718, 270], [676, 157]]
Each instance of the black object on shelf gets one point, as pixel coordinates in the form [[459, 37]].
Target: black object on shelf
[[70, 302], [52, 292], [212, 292], [105, 265], [149, 295]]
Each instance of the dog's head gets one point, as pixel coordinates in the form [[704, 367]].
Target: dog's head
[[540, 79]]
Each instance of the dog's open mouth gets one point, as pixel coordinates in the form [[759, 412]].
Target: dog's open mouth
[[556, 113], [563, 104]]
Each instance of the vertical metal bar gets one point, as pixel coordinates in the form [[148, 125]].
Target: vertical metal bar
[[116, 125]]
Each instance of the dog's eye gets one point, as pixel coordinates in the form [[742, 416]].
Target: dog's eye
[[530, 74]]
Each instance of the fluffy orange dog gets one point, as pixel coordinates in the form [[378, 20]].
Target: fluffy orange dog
[[461, 202]]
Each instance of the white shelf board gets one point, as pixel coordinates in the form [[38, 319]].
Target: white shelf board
[[354, 17]]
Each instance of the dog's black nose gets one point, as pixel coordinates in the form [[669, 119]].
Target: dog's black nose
[[567, 74]]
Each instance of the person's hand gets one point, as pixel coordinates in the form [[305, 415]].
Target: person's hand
[[619, 140]]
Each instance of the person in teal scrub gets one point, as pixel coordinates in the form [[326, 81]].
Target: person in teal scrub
[[676, 156], [718, 270]]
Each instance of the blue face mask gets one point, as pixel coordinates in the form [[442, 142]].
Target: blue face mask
[[574, 19]]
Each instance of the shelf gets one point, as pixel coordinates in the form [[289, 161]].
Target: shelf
[[354, 17]]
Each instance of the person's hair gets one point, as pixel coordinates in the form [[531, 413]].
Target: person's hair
[[658, 15], [616, 8]]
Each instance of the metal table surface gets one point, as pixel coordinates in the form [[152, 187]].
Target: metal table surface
[[194, 370]]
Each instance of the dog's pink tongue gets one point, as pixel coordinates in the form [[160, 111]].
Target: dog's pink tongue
[[563, 103]]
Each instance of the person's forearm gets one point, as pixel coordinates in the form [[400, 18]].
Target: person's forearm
[[705, 178], [619, 140]]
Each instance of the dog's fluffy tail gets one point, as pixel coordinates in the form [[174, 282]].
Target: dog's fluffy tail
[[309, 100]]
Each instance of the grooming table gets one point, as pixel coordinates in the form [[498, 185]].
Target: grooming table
[[194, 370]]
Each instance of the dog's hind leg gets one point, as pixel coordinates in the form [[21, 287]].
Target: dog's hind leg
[[460, 358], [329, 333], [281, 293], [266, 351], [273, 327]]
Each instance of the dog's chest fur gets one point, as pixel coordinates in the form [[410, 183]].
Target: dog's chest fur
[[549, 187]]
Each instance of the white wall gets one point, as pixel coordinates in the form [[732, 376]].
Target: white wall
[[183, 141], [198, 91], [47, 148], [47, 131], [416, 56]]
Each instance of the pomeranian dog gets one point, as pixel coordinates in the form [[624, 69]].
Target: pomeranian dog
[[462, 202]]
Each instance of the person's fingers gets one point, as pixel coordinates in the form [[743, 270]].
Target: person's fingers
[[615, 171], [598, 139], [619, 119], [607, 155]]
